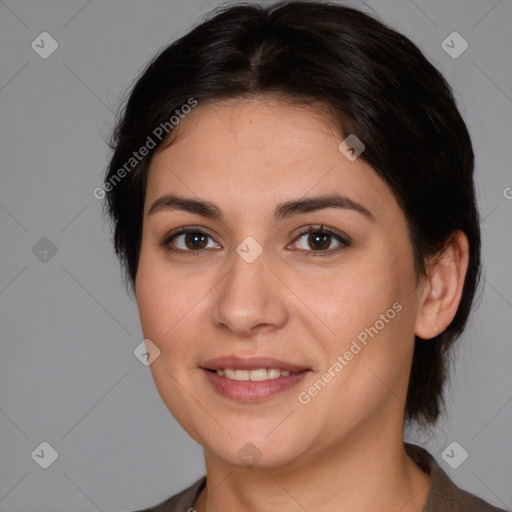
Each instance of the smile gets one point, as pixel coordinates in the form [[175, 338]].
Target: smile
[[252, 385], [253, 375]]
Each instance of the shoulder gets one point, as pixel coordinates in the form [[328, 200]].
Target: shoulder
[[444, 495], [181, 502]]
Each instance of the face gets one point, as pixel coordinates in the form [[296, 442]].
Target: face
[[311, 304]]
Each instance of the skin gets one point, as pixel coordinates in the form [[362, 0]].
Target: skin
[[343, 450]]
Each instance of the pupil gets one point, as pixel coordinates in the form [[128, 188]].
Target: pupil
[[316, 238]]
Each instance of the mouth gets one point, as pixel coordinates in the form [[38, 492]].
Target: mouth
[[253, 379]]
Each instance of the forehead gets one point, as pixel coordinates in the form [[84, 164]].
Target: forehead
[[261, 152]]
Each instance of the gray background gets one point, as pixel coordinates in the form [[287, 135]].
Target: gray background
[[68, 329]]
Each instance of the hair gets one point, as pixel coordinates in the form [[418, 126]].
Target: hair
[[376, 84]]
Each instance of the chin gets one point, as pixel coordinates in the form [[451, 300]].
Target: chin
[[256, 450]]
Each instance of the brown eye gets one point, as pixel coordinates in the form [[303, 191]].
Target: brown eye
[[320, 240], [195, 241], [189, 240]]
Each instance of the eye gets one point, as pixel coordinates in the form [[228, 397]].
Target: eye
[[190, 239], [320, 239]]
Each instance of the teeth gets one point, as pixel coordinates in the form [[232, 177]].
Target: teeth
[[254, 375], [273, 373], [241, 374], [261, 374]]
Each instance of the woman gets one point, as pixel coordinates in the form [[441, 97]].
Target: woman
[[292, 197]]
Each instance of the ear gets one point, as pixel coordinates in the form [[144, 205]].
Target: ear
[[445, 281]]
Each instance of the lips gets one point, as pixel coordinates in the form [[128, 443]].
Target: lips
[[252, 379]]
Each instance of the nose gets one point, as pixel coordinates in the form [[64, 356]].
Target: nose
[[250, 298]]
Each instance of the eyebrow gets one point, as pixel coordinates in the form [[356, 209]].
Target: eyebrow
[[170, 202]]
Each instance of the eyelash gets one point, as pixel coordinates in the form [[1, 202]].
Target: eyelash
[[311, 229]]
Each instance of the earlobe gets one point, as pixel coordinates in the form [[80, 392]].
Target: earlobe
[[445, 281]]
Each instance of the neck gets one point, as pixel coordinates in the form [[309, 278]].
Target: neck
[[365, 472]]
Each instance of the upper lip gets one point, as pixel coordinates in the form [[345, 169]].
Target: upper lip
[[251, 363]]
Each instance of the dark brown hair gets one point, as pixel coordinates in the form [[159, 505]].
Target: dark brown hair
[[377, 84]]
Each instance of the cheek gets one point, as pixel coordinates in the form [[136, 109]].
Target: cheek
[[364, 312], [350, 298], [167, 304], [164, 298]]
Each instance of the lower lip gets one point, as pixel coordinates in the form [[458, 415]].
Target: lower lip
[[252, 391]]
